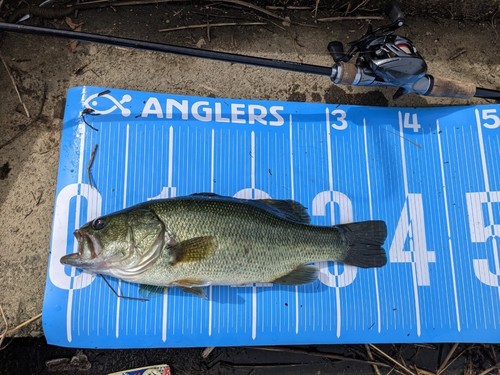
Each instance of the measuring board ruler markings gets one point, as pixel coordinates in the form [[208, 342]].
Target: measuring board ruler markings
[[432, 174]]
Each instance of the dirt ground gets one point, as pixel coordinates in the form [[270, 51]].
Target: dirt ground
[[44, 68]]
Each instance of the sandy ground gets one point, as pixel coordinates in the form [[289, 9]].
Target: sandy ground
[[44, 68]]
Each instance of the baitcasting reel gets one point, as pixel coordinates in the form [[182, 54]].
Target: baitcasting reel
[[384, 59]]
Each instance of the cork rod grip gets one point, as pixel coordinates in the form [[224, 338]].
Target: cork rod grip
[[449, 88]]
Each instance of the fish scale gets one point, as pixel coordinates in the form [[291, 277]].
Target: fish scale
[[252, 244]]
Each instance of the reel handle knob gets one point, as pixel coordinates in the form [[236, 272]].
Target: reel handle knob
[[395, 14], [336, 50]]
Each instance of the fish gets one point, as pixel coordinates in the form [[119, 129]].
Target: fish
[[207, 239]]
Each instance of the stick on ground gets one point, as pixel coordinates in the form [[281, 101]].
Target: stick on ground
[[370, 357], [15, 86], [349, 18], [444, 364], [255, 7], [389, 358], [337, 357], [4, 333], [211, 25]]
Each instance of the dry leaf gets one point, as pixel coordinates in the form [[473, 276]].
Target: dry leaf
[[75, 27]]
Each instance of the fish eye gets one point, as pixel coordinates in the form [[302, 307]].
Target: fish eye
[[99, 224]]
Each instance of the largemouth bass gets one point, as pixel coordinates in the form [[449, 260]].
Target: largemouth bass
[[207, 239]]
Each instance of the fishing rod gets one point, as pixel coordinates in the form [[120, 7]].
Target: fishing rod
[[382, 59]]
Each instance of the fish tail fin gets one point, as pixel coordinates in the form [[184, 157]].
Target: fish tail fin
[[365, 240]]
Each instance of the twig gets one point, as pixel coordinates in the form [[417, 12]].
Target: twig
[[337, 357], [259, 365], [458, 53], [444, 364], [359, 6], [89, 166], [4, 333], [370, 357], [29, 213], [20, 132], [349, 18], [126, 3], [207, 351], [454, 359], [255, 7], [208, 31], [23, 324], [9, 332], [389, 358], [421, 371], [202, 26], [485, 372], [15, 86], [290, 7], [406, 139], [316, 8]]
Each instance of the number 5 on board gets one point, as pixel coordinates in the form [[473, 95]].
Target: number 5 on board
[[490, 114]]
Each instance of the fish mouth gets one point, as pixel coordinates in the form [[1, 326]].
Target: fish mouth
[[81, 258]]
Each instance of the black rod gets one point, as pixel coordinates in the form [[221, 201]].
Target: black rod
[[487, 93], [168, 48]]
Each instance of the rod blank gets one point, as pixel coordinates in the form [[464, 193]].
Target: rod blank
[[169, 48]]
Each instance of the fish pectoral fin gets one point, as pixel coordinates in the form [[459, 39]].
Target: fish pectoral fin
[[197, 291], [193, 286], [288, 209], [300, 275], [147, 290], [192, 250]]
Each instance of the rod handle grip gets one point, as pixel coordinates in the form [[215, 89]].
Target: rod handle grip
[[450, 88]]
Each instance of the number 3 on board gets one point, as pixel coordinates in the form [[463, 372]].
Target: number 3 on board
[[411, 230], [338, 122]]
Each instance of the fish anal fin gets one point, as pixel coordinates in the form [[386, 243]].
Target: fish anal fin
[[197, 291], [147, 290], [193, 286], [192, 250], [300, 275]]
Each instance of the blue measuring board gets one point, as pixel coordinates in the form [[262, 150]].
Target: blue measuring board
[[433, 174]]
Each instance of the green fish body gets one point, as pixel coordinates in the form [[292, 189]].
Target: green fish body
[[207, 239]]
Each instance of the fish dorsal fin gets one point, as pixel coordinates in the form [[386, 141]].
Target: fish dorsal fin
[[287, 209], [284, 208], [301, 275], [206, 194], [192, 250]]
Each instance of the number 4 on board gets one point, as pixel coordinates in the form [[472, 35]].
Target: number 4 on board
[[411, 231], [414, 125]]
